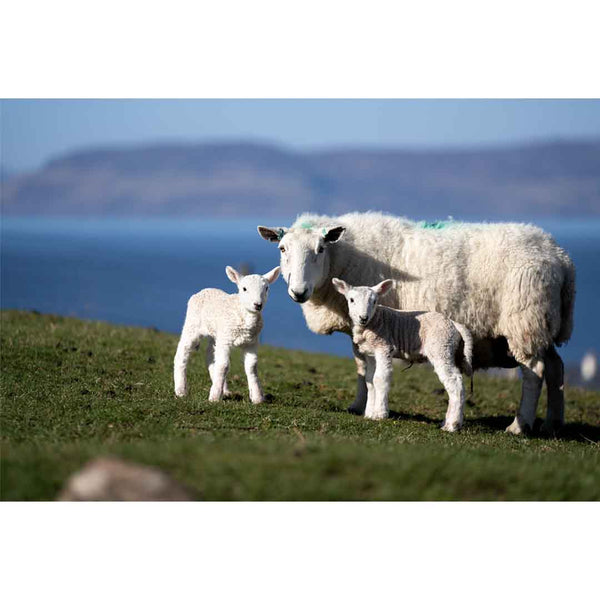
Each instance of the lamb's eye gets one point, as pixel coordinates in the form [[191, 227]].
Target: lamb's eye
[[245, 290], [351, 299], [282, 249]]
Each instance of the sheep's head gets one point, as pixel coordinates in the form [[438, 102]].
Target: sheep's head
[[304, 256], [362, 300], [253, 289]]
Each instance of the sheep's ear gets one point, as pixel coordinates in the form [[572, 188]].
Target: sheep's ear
[[340, 285], [272, 275], [271, 234], [382, 288], [233, 275], [332, 234]]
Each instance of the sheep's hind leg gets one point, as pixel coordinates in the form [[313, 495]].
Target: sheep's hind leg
[[359, 405], [533, 377], [250, 366], [219, 372], [210, 363], [554, 375], [451, 379], [184, 348]]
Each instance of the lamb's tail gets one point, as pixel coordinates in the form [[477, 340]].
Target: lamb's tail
[[567, 303], [467, 362]]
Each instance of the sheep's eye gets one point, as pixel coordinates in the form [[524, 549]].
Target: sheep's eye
[[351, 299], [282, 249], [245, 290]]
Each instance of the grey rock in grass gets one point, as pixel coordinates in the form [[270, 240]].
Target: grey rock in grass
[[112, 479]]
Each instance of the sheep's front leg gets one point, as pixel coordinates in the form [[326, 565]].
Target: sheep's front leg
[[219, 372], [210, 363], [250, 366], [382, 380], [451, 379], [359, 405], [369, 373]]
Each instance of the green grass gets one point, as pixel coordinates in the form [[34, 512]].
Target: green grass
[[73, 390]]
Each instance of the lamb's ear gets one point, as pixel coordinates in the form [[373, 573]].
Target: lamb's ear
[[271, 234], [340, 285], [272, 275], [332, 234], [233, 275], [383, 287]]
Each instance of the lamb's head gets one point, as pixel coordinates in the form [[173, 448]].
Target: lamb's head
[[362, 300], [304, 256], [253, 289]]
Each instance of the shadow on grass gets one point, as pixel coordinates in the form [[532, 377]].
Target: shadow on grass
[[577, 432], [419, 418]]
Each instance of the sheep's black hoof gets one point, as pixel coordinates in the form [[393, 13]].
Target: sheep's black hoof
[[355, 409]]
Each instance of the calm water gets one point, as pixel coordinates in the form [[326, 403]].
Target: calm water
[[141, 272]]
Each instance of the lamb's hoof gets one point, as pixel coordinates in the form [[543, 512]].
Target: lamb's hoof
[[214, 399], [518, 428], [258, 400], [451, 427], [552, 428], [181, 392], [377, 416], [227, 394]]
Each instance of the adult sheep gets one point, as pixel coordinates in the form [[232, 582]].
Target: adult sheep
[[510, 284]]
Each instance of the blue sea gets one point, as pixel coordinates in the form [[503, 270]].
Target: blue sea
[[141, 272]]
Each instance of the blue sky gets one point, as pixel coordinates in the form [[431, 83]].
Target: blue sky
[[35, 130]]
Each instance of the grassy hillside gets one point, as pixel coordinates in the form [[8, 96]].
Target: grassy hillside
[[73, 390]]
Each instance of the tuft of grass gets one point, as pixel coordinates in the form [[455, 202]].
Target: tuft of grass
[[73, 390]]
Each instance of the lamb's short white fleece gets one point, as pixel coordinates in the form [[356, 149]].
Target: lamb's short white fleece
[[228, 320], [382, 333]]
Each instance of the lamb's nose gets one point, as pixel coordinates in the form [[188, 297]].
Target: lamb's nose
[[258, 305], [363, 320]]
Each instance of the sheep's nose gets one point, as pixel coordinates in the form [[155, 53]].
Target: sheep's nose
[[363, 320], [258, 305], [299, 295]]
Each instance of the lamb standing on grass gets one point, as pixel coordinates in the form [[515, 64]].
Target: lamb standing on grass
[[382, 333], [228, 320]]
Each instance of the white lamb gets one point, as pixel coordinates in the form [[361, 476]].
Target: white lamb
[[228, 320], [382, 333]]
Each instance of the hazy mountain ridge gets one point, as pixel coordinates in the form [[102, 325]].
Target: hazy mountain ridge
[[242, 179]]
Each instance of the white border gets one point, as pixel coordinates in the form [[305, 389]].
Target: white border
[[291, 550], [314, 48]]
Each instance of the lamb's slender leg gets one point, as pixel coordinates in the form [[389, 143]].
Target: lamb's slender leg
[[250, 366], [359, 405], [210, 363], [369, 373], [554, 375], [219, 372], [533, 377], [186, 344], [382, 380], [451, 379]]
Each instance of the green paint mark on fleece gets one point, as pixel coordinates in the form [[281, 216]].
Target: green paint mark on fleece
[[436, 224], [306, 225]]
